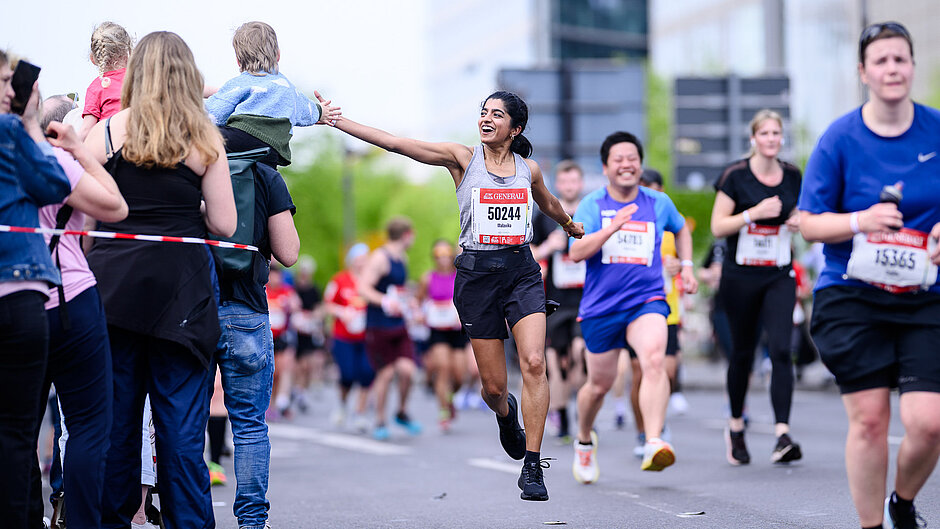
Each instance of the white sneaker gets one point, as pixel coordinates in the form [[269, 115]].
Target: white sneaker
[[678, 404], [361, 423], [585, 467], [657, 455], [338, 418]]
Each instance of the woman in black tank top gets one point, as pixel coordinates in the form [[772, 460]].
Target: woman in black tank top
[[158, 297], [498, 287]]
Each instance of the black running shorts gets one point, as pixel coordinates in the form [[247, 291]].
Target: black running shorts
[[869, 338], [454, 339], [562, 328], [496, 287]]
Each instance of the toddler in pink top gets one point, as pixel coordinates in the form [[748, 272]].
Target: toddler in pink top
[[110, 48]]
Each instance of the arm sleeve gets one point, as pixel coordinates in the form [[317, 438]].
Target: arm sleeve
[[823, 182], [667, 214], [39, 172], [726, 184], [221, 104], [589, 215], [93, 100], [279, 198], [307, 110]]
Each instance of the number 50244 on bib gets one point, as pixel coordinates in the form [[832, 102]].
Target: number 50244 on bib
[[501, 216]]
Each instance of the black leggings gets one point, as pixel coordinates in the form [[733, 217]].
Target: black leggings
[[755, 301]]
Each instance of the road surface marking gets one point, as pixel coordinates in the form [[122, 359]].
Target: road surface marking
[[489, 464], [337, 440]]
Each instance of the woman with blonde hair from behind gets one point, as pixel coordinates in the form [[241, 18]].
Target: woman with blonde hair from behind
[[167, 158]]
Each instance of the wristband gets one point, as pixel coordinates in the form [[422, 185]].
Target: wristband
[[569, 223], [853, 222], [746, 216], [687, 262]]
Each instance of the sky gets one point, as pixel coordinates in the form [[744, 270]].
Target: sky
[[367, 55]]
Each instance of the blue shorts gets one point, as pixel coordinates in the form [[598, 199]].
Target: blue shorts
[[608, 332]]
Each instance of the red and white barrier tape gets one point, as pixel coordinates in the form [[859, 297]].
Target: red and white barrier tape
[[129, 236]]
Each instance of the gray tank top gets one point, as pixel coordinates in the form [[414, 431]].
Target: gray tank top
[[495, 212]]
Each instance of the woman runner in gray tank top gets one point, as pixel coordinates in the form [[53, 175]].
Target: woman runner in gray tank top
[[498, 282]]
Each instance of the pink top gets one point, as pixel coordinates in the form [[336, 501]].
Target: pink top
[[103, 97], [76, 276], [441, 286]]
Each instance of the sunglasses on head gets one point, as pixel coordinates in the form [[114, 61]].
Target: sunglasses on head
[[874, 30]]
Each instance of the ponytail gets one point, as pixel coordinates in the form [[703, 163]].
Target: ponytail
[[518, 116], [521, 146]]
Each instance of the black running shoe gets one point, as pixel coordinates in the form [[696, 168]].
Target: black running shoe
[[511, 435], [737, 450], [532, 482], [897, 518], [786, 450]]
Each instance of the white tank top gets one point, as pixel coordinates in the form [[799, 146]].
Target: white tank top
[[495, 211]]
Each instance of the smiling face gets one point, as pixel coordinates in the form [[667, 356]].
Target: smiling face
[[767, 138], [494, 124], [888, 69], [623, 166], [6, 88]]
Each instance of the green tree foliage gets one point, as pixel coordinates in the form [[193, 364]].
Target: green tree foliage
[[694, 205], [379, 193]]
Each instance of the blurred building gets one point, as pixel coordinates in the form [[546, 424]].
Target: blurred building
[[814, 42], [811, 41], [469, 41]]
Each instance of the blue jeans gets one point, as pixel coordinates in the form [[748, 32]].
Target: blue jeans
[[246, 360]]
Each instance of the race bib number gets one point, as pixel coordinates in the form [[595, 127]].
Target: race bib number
[[896, 262], [567, 273], [632, 244], [304, 322], [760, 245], [441, 315], [356, 321], [501, 216], [278, 318]]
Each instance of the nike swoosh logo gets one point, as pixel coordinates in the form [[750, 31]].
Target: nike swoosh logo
[[924, 157]]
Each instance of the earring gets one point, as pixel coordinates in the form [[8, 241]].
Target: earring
[[512, 137], [753, 143]]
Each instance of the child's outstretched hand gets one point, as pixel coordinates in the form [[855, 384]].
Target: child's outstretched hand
[[330, 114]]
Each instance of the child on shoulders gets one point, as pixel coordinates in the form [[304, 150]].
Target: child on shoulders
[[110, 49], [260, 107]]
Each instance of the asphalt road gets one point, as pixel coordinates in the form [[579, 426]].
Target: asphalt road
[[326, 477]]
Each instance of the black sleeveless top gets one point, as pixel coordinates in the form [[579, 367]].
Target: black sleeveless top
[[158, 289]]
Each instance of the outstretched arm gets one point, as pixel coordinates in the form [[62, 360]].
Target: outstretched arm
[[453, 156]]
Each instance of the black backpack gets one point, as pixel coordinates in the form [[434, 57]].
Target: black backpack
[[241, 165]]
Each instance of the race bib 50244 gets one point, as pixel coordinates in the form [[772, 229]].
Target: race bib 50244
[[501, 216], [633, 243], [896, 262]]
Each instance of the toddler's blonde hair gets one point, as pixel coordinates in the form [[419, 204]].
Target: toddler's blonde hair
[[111, 46]]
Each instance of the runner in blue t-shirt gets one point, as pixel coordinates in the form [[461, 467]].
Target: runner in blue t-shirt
[[624, 300], [876, 315]]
